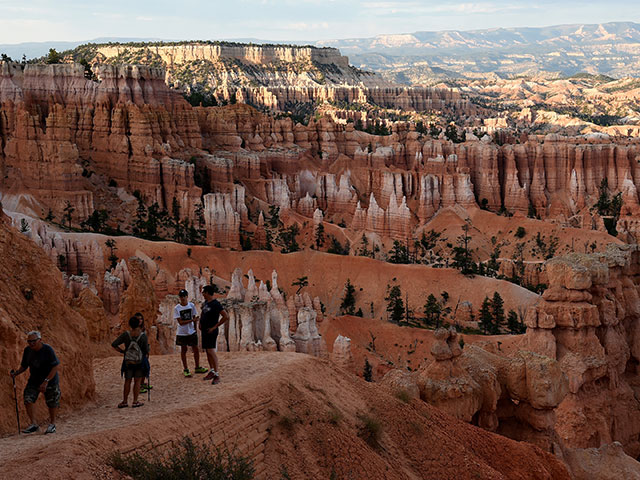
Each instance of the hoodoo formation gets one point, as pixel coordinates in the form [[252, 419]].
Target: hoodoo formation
[[438, 280]]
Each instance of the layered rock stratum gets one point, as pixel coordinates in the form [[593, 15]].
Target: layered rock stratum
[[69, 139]]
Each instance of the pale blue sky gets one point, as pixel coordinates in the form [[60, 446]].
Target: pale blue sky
[[39, 20]]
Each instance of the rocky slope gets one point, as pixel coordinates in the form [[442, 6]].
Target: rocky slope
[[32, 298], [276, 404]]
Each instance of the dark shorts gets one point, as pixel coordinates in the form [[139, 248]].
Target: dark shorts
[[187, 340], [210, 340], [51, 395], [134, 371]]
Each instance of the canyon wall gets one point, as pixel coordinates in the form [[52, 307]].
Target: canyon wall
[[68, 140], [58, 129]]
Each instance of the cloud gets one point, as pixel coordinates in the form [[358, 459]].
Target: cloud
[[415, 8], [304, 26]]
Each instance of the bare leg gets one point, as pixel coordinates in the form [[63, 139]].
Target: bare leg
[[136, 388], [196, 356], [215, 359], [127, 389], [29, 407], [52, 415], [211, 358], [183, 355]]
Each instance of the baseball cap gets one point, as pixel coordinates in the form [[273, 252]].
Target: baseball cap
[[183, 293]]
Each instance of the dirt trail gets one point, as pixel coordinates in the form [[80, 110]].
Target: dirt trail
[[171, 397], [285, 411]]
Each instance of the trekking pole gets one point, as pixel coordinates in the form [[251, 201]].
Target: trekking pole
[[149, 386], [15, 397]]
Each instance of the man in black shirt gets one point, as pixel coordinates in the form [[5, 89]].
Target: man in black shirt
[[209, 323], [42, 363]]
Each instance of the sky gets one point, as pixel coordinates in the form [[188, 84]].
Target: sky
[[281, 20]]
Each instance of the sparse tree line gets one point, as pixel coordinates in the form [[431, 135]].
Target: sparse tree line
[[150, 222], [437, 312]]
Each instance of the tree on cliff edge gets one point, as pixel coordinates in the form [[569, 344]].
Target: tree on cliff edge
[[53, 56]]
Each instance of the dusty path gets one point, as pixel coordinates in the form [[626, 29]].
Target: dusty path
[[173, 399]]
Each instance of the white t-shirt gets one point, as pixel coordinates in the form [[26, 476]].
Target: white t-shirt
[[185, 312]]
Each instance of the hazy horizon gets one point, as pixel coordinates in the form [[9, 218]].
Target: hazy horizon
[[286, 20]]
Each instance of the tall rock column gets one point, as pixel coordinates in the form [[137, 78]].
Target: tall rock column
[[222, 222], [588, 321]]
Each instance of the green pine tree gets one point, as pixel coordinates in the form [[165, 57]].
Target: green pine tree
[[348, 304], [367, 372], [432, 311], [395, 305], [497, 310], [486, 317]]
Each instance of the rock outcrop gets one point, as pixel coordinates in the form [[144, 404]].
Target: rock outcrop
[[588, 321], [259, 320], [516, 396], [341, 354], [608, 462]]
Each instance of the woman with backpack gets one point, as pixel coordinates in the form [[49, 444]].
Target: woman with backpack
[[136, 347]]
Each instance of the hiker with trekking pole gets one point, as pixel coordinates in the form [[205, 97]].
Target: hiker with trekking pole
[[136, 347], [42, 363]]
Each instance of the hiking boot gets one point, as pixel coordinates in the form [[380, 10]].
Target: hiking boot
[[186, 373], [143, 389], [201, 370], [210, 375], [31, 428], [50, 429], [216, 379]]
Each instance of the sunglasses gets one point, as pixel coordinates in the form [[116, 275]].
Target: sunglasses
[[31, 342]]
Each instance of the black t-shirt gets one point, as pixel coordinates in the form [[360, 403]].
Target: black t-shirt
[[40, 364], [210, 314]]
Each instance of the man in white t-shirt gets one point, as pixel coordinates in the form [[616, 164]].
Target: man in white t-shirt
[[186, 336]]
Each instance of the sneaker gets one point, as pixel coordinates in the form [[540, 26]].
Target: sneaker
[[210, 375], [201, 370], [50, 429], [216, 380], [186, 373], [31, 428], [143, 389]]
